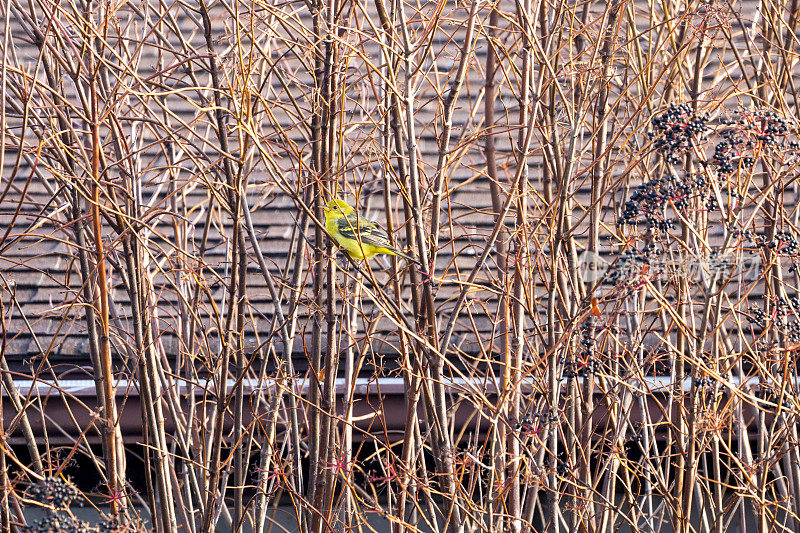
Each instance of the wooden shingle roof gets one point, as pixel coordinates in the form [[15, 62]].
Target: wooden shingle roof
[[156, 88]]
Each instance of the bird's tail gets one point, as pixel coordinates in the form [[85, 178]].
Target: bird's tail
[[407, 257]]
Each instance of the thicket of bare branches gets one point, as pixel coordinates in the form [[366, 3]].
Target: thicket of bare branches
[[602, 331]]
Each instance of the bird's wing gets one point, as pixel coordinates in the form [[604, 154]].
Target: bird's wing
[[357, 228]]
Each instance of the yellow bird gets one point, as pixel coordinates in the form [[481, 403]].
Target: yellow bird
[[359, 237]]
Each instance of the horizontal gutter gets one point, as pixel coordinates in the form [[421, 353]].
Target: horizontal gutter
[[361, 386], [69, 406]]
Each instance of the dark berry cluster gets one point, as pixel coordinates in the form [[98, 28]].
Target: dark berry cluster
[[767, 127], [786, 243], [793, 302], [573, 368], [785, 308], [728, 155], [591, 366], [745, 234], [703, 382], [757, 317], [585, 363], [54, 491], [587, 347], [773, 127], [630, 213], [638, 434], [774, 396], [116, 526], [649, 202], [676, 130], [587, 339], [57, 493], [109, 526], [746, 135], [790, 327], [59, 523], [531, 423]]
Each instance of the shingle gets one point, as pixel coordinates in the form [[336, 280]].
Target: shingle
[[38, 253]]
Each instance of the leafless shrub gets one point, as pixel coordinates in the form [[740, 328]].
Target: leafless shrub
[[602, 331]]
